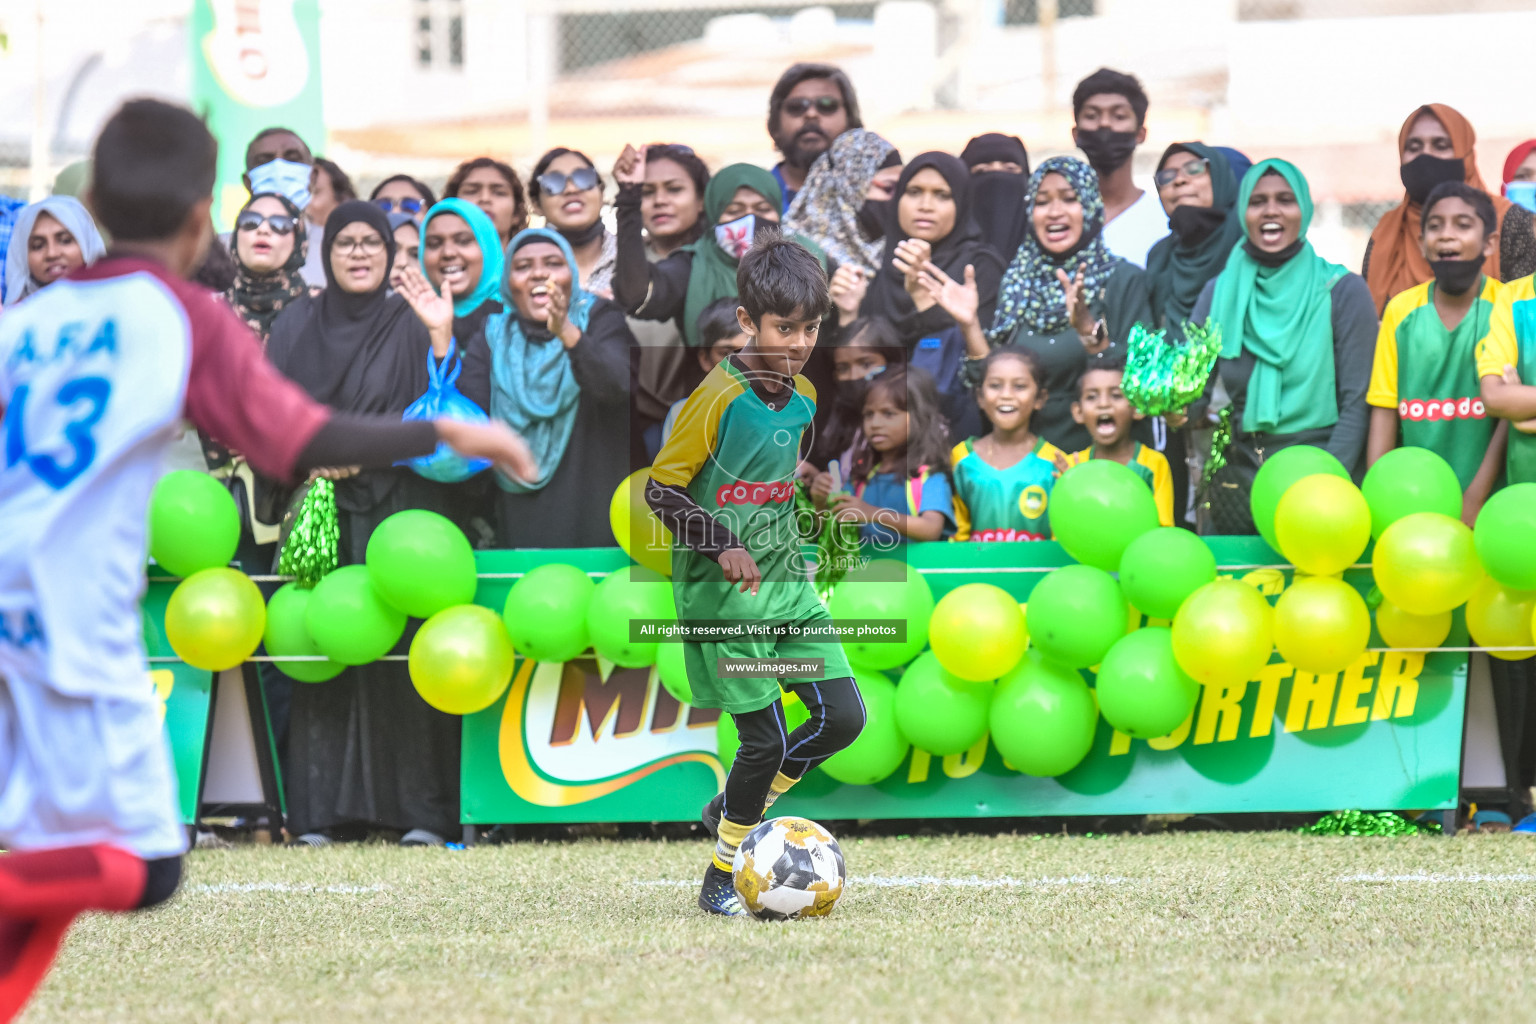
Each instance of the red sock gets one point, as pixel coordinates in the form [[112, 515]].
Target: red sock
[[54, 883], [27, 949]]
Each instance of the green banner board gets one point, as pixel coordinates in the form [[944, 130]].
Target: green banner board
[[587, 742], [184, 694], [255, 65]]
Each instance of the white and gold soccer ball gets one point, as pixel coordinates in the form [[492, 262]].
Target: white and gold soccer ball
[[789, 867]]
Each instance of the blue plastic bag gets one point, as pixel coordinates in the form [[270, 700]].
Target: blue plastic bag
[[444, 401]]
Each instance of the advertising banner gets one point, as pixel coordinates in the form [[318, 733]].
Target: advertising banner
[[255, 65]]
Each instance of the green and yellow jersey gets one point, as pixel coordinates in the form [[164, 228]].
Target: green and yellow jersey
[[725, 479], [1429, 375], [1003, 504], [1152, 467], [1511, 341]]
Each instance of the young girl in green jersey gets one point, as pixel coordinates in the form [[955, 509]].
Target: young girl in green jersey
[[897, 484], [1003, 479]]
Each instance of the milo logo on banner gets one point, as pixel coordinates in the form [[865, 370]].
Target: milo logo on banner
[[578, 731]]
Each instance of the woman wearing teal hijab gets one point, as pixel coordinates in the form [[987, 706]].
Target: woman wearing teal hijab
[[459, 242], [1297, 337], [555, 362]]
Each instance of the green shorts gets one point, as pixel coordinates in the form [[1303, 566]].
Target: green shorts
[[739, 694]]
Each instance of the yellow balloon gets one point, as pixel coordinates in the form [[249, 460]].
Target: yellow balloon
[[636, 528], [1500, 617], [1426, 563], [1223, 633], [215, 619], [1321, 624], [461, 659], [1322, 524], [977, 632], [1400, 629]]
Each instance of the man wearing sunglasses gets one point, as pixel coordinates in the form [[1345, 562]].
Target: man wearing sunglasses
[[811, 105]]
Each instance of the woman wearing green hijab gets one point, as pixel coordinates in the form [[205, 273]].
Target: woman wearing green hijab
[[740, 200], [1297, 337]]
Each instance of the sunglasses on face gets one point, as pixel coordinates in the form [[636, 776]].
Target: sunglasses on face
[[1193, 169], [250, 220], [410, 206], [552, 183], [826, 106]]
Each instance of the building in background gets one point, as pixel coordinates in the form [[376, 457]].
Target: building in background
[[416, 85]]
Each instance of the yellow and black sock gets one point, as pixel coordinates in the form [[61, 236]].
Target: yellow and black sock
[[781, 784], [731, 835]]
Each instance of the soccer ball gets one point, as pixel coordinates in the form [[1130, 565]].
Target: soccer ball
[[789, 867]]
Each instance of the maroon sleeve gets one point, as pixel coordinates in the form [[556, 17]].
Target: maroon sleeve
[[236, 396]]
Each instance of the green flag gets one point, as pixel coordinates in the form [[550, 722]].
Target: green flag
[[255, 65]]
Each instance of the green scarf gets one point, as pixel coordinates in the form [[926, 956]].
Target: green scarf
[[714, 273], [1284, 316]]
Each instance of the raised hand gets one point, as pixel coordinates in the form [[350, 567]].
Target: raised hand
[[629, 168], [558, 320], [433, 309], [849, 285], [1076, 301], [959, 300]]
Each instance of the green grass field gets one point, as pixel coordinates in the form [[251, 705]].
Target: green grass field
[[1174, 927]]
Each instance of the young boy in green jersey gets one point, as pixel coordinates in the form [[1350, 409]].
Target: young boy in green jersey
[[1424, 381], [724, 484], [1102, 408]]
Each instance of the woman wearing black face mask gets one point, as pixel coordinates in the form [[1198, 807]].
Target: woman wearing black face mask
[[1436, 144]]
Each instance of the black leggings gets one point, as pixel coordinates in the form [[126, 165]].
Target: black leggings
[[768, 747]]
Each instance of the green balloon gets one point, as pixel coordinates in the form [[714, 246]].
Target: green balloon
[[1408, 480], [349, 620], [940, 712], [546, 613], [1142, 690], [881, 747], [1162, 567], [673, 671], [1043, 717], [421, 563], [193, 523], [728, 741], [1076, 614], [628, 595], [886, 588], [288, 636], [1275, 477], [1505, 536], [1097, 508]]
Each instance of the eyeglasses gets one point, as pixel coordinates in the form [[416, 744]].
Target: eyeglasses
[[826, 106], [1193, 169], [250, 220], [370, 245], [552, 183], [411, 206]]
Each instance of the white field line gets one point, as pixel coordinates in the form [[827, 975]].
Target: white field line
[[1436, 878], [939, 881], [286, 887]]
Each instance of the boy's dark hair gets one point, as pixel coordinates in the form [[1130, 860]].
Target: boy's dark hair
[[1117, 83], [519, 196], [798, 73], [276, 129], [426, 193], [1024, 355], [780, 276], [1111, 360], [549, 158], [1474, 197], [341, 184], [870, 332], [152, 163], [718, 321], [913, 391]]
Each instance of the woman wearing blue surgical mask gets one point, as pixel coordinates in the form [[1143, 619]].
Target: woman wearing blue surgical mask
[[1520, 175], [738, 202], [566, 188]]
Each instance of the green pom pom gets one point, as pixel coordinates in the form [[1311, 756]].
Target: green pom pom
[[313, 545], [1163, 376]]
